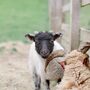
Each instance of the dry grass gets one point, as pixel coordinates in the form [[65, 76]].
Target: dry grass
[[14, 73]]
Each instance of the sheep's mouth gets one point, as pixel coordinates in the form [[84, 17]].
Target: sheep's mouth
[[45, 56]]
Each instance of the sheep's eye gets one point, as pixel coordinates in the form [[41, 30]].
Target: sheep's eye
[[37, 41], [51, 41]]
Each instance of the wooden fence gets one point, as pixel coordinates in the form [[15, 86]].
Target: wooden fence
[[73, 34]]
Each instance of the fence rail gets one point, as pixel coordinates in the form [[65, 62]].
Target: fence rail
[[85, 2]]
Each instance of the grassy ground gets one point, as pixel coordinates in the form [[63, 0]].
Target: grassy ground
[[18, 17], [85, 17]]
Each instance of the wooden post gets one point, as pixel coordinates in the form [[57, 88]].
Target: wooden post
[[55, 14], [75, 28]]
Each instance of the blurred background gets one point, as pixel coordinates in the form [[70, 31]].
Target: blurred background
[[18, 17]]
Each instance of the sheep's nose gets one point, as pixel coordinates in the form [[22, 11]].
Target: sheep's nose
[[44, 53]]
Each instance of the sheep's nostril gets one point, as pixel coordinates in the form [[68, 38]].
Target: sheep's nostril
[[44, 54]]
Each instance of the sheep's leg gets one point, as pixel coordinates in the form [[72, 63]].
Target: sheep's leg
[[59, 80], [47, 85], [37, 81]]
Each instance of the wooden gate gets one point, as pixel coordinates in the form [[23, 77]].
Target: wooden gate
[[73, 34]]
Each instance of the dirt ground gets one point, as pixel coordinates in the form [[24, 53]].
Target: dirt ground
[[14, 71]]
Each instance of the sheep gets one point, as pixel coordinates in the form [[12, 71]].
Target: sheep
[[55, 54], [44, 43], [77, 70]]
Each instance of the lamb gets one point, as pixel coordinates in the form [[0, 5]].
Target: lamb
[[77, 70], [43, 45]]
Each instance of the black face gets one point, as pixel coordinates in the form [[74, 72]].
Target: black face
[[44, 43]]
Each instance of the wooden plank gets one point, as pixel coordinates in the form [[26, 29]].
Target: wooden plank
[[85, 2], [65, 26], [55, 14], [66, 45], [84, 35], [65, 30], [66, 7], [75, 32], [52, 14], [65, 40]]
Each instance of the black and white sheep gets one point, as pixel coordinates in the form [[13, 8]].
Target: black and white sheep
[[43, 45]]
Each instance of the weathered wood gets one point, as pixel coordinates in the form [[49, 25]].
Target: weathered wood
[[75, 32], [66, 31], [55, 14], [65, 44], [52, 10], [85, 2], [65, 40], [65, 26], [66, 7]]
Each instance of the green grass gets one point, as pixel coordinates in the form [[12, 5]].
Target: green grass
[[85, 17], [18, 17]]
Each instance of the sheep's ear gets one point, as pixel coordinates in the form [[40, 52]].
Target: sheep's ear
[[85, 59], [57, 35], [31, 37]]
